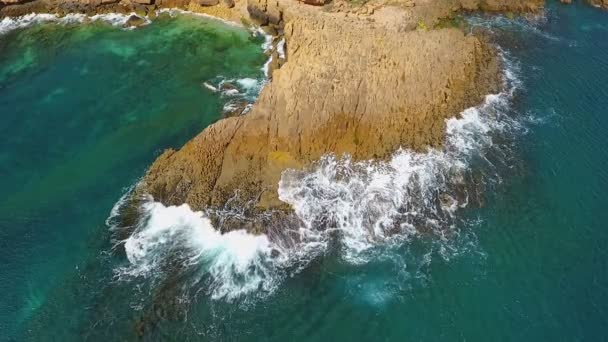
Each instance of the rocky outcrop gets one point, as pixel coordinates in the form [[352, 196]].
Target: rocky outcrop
[[361, 80], [599, 3], [350, 86]]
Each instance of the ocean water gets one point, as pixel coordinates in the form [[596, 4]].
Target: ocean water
[[85, 109], [500, 236]]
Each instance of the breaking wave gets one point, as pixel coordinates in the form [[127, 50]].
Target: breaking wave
[[234, 263], [341, 206]]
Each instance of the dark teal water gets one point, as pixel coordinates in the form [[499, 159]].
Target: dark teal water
[[530, 263]]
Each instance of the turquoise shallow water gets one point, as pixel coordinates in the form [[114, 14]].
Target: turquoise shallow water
[[529, 264], [85, 109]]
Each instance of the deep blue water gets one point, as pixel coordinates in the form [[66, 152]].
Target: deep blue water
[[530, 262]]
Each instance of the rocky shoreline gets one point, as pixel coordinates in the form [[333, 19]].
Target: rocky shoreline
[[359, 79], [358, 82]]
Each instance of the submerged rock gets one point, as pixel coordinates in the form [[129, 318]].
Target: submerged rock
[[135, 21]]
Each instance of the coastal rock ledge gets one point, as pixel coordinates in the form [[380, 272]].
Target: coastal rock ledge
[[362, 85]]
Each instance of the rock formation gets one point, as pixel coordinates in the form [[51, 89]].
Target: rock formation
[[351, 85]]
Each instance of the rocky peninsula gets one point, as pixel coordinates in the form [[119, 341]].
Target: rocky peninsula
[[352, 78]]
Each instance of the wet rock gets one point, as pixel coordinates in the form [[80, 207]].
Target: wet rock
[[135, 21], [228, 86]]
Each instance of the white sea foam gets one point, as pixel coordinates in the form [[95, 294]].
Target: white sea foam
[[248, 83], [9, 23], [370, 203], [267, 44], [355, 206], [236, 262]]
